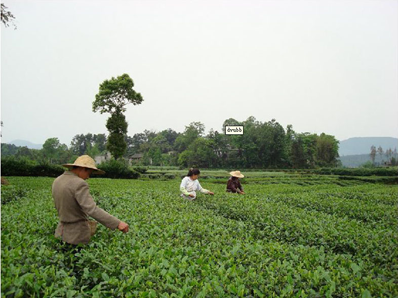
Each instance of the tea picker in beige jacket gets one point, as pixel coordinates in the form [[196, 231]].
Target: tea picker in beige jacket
[[74, 204]]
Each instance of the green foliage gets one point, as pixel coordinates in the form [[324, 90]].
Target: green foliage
[[153, 156], [117, 127], [141, 170], [93, 151], [112, 98], [25, 152], [54, 152], [317, 239], [47, 170], [193, 131], [10, 166], [327, 150], [117, 169], [51, 147], [116, 124], [116, 145], [371, 171], [303, 151], [25, 167], [199, 154], [8, 149], [368, 165], [10, 193], [85, 144], [264, 145], [114, 94]]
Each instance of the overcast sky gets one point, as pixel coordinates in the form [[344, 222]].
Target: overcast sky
[[322, 66]]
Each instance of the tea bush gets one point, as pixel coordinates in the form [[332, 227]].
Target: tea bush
[[117, 169], [281, 239]]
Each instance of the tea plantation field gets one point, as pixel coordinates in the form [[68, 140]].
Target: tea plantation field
[[289, 236]]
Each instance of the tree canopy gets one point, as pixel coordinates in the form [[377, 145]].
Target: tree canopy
[[262, 145], [113, 96]]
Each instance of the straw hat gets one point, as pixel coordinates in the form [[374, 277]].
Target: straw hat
[[84, 161], [237, 174]]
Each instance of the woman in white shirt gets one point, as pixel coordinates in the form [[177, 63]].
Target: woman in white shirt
[[190, 184]]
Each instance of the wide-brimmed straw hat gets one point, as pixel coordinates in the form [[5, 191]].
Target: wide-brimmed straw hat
[[84, 161], [237, 174]]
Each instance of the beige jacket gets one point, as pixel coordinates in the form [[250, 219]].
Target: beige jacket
[[74, 205]]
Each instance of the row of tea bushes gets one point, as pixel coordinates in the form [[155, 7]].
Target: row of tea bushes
[[221, 246]]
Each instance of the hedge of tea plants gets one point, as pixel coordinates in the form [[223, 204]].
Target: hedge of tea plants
[[308, 238]]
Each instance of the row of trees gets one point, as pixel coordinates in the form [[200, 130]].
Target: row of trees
[[262, 145], [389, 154], [53, 152]]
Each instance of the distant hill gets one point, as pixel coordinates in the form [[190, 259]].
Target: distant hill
[[23, 143], [357, 146]]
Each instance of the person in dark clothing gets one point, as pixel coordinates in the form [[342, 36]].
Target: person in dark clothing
[[233, 184]]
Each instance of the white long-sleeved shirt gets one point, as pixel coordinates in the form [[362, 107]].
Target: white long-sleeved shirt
[[189, 186]]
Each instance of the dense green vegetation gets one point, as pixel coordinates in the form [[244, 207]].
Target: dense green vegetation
[[262, 145], [292, 235]]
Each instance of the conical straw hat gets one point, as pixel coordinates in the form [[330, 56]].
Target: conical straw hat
[[237, 174], [84, 161]]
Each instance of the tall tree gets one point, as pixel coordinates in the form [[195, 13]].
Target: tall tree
[[55, 152], [235, 143], [200, 153], [273, 143], [290, 136], [388, 153], [100, 141], [373, 153], [381, 152], [117, 127], [327, 150], [81, 144], [303, 152], [220, 144], [8, 149], [113, 96], [297, 154], [134, 143], [24, 152], [193, 131]]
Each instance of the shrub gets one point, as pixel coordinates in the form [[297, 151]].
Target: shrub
[[170, 176], [11, 193], [14, 167], [155, 176], [47, 170], [368, 165], [141, 170], [24, 167], [392, 171], [117, 169]]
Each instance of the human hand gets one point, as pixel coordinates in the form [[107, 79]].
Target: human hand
[[242, 192], [191, 195], [211, 193], [123, 227]]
